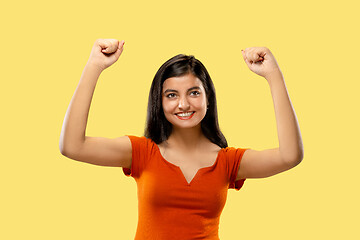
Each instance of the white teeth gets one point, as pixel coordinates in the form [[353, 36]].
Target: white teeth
[[185, 114]]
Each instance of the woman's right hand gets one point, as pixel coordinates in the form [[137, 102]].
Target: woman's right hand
[[105, 52]]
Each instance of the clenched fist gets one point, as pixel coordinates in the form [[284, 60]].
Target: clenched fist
[[260, 60], [105, 52]]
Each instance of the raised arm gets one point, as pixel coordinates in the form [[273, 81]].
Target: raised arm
[[73, 142], [258, 164]]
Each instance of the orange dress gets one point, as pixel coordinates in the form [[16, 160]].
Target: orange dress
[[171, 208]]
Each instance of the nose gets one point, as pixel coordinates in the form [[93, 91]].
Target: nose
[[183, 104]]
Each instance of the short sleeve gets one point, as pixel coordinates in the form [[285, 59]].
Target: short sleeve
[[233, 157], [140, 147]]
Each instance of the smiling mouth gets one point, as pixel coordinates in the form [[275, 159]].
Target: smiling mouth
[[185, 115]]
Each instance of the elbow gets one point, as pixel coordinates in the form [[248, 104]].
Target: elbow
[[300, 155], [296, 159], [62, 151]]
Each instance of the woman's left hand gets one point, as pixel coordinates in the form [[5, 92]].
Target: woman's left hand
[[260, 60]]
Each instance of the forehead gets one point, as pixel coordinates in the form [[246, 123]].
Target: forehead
[[183, 82]]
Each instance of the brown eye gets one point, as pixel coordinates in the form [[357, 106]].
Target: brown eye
[[195, 93], [171, 95]]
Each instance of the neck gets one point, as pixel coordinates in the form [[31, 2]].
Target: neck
[[188, 138]]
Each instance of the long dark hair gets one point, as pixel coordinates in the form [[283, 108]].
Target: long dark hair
[[158, 128]]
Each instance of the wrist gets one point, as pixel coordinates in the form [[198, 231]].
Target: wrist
[[95, 66], [275, 75]]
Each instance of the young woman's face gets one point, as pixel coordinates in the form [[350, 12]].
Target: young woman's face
[[184, 101]]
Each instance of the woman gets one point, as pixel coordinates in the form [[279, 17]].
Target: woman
[[182, 166]]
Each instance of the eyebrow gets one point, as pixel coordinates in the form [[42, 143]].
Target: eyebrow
[[173, 90]]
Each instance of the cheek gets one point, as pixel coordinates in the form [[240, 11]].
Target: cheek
[[168, 106], [199, 103]]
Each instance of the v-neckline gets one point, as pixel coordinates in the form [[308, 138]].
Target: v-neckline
[[178, 167]]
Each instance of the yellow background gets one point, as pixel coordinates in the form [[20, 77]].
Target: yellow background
[[45, 46]]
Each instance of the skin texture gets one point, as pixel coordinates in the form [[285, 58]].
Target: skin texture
[[184, 94], [186, 147], [186, 139], [265, 163], [106, 52]]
